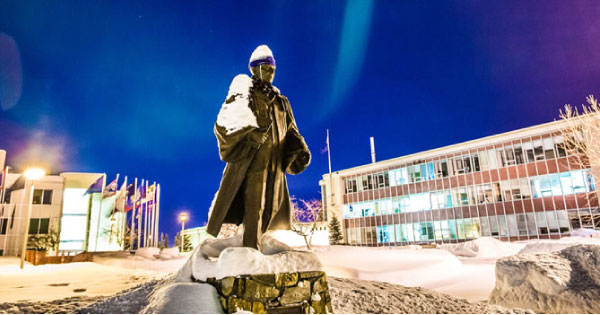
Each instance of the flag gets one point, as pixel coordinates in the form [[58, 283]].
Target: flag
[[143, 190], [130, 195], [96, 187], [326, 148], [110, 189], [121, 201]]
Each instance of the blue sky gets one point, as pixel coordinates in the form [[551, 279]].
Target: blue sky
[[134, 87]]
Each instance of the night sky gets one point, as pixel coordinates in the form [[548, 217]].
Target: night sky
[[135, 87]]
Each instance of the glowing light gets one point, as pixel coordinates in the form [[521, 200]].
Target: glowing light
[[34, 173], [183, 217]]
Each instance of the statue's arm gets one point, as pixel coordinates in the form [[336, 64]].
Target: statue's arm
[[296, 155]]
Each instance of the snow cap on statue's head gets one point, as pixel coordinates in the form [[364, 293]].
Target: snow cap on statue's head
[[261, 55]]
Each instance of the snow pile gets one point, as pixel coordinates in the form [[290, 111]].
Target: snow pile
[[567, 281], [214, 247], [148, 252], [184, 298], [585, 233], [168, 253], [483, 247], [235, 261], [293, 239], [546, 246], [237, 115]]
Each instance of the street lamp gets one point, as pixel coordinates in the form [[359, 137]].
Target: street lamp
[[183, 217], [31, 174]]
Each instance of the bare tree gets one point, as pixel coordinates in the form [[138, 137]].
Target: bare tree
[[581, 137], [306, 215]]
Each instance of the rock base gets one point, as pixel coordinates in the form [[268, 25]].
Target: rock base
[[567, 281], [281, 293]]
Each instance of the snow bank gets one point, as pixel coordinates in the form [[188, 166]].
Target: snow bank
[[237, 261], [184, 298], [586, 233], [168, 253], [148, 252], [320, 238], [567, 281], [546, 246], [483, 247], [237, 115]]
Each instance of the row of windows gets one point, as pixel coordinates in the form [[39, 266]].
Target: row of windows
[[529, 151], [40, 197], [557, 184], [525, 224]]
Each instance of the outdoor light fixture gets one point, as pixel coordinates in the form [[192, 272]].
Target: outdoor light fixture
[[183, 217], [31, 174], [34, 173]]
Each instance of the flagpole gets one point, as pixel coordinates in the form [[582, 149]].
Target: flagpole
[[330, 176], [154, 231], [140, 219], [124, 217], [158, 208], [133, 216], [100, 212], [146, 215]]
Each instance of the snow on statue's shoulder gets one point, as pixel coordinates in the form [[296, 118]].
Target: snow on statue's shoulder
[[237, 115]]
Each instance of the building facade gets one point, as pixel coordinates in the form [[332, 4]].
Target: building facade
[[60, 206], [513, 186]]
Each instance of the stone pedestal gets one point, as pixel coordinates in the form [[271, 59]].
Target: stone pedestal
[[280, 293]]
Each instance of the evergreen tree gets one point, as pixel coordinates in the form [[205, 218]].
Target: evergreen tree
[[335, 232], [167, 240], [187, 242]]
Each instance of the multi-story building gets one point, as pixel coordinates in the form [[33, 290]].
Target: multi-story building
[[60, 206], [513, 186]]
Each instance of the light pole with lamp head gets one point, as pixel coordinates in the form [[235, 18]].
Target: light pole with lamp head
[[31, 174], [183, 217]]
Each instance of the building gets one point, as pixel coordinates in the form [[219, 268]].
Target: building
[[60, 205], [512, 186], [197, 235]]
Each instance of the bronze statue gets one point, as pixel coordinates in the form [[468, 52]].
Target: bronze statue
[[259, 139]]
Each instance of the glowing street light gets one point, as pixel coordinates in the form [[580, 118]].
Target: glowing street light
[[183, 217], [31, 174]]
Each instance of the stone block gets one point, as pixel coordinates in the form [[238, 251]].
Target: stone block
[[296, 294], [286, 279], [320, 285], [266, 279], [310, 274], [256, 291], [258, 308], [235, 304], [227, 285]]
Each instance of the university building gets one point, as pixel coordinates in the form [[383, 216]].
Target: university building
[[513, 186], [61, 206]]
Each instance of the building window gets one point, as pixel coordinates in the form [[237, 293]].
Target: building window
[[3, 225], [42, 197], [38, 226]]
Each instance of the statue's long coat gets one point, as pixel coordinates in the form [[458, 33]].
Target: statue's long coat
[[238, 150]]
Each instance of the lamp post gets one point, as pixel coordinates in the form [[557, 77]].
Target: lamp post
[[31, 174], [183, 217]]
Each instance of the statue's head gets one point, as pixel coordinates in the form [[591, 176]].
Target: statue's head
[[262, 64]]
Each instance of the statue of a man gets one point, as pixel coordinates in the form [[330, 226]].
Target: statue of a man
[[259, 139]]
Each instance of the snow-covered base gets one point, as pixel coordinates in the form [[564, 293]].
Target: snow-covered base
[[235, 261], [184, 298], [586, 233], [567, 281]]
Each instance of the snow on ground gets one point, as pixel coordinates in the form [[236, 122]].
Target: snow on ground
[[108, 274], [546, 246], [484, 247]]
